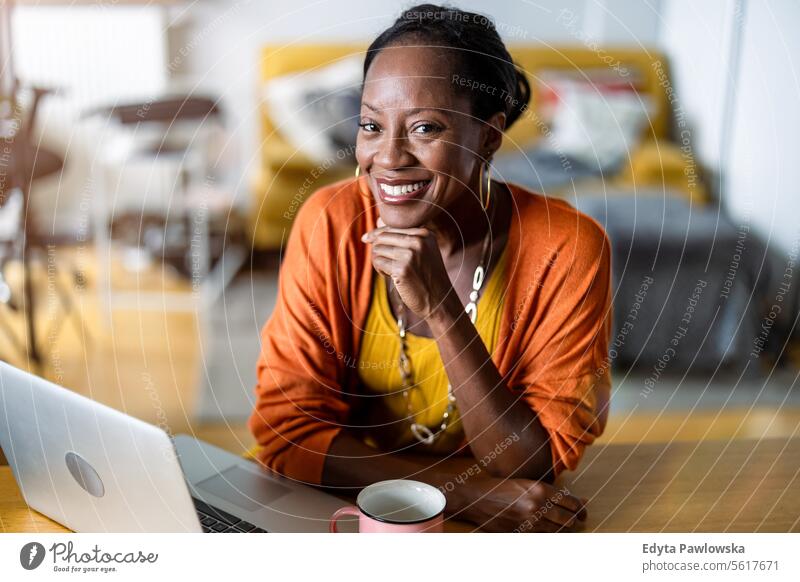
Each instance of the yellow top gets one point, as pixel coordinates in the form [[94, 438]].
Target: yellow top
[[384, 406]]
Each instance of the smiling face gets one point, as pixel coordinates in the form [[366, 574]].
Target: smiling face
[[418, 144]]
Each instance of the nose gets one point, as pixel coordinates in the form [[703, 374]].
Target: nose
[[393, 152]]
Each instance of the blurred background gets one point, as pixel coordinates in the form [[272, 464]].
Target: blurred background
[[154, 155]]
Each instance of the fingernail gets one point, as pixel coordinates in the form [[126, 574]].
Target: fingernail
[[364, 237]]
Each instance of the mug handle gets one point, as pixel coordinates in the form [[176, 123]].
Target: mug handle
[[346, 510]]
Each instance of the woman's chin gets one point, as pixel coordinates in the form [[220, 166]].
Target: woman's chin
[[403, 215]]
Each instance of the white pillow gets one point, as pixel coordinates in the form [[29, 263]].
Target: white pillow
[[596, 127], [10, 217], [317, 110]]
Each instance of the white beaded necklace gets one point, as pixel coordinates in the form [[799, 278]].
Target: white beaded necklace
[[421, 432]]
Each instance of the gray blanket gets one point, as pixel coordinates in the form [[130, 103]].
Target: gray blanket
[[689, 285]]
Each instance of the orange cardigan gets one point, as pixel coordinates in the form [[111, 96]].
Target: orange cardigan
[[551, 350]]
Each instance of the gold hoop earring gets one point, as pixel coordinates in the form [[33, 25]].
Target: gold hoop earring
[[488, 188], [485, 203], [358, 183], [480, 186]]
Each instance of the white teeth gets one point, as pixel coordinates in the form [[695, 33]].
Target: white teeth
[[400, 190]]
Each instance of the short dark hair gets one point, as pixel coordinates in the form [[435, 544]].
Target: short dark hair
[[496, 84]]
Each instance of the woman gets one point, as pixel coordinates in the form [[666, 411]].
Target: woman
[[433, 323]]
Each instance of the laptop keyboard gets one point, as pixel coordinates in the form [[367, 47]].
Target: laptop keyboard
[[215, 520]]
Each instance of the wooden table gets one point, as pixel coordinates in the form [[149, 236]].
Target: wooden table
[[710, 486]]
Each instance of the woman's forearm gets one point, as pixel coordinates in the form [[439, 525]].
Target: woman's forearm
[[351, 465], [492, 417]]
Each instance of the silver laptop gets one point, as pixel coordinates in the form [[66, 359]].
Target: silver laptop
[[95, 469]]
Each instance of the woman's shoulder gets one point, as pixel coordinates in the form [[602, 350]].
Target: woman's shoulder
[[337, 203], [332, 219]]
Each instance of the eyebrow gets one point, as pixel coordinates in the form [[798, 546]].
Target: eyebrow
[[411, 111]]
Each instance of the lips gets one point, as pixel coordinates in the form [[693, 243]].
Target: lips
[[400, 191]]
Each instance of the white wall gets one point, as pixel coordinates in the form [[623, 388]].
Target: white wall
[[757, 154], [92, 56], [696, 36], [763, 176]]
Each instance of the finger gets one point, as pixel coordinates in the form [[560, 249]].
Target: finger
[[579, 526], [544, 494], [390, 262], [578, 509], [574, 504], [369, 236], [559, 516], [400, 254], [539, 526], [583, 513], [563, 498], [383, 265]]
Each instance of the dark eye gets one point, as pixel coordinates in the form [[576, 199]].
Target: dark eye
[[426, 128], [368, 126]]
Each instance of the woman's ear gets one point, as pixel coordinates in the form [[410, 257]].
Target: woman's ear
[[492, 133]]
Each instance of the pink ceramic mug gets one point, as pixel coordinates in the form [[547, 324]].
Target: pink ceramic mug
[[396, 506]]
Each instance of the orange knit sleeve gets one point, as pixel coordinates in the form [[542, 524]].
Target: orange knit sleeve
[[565, 377], [299, 403]]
